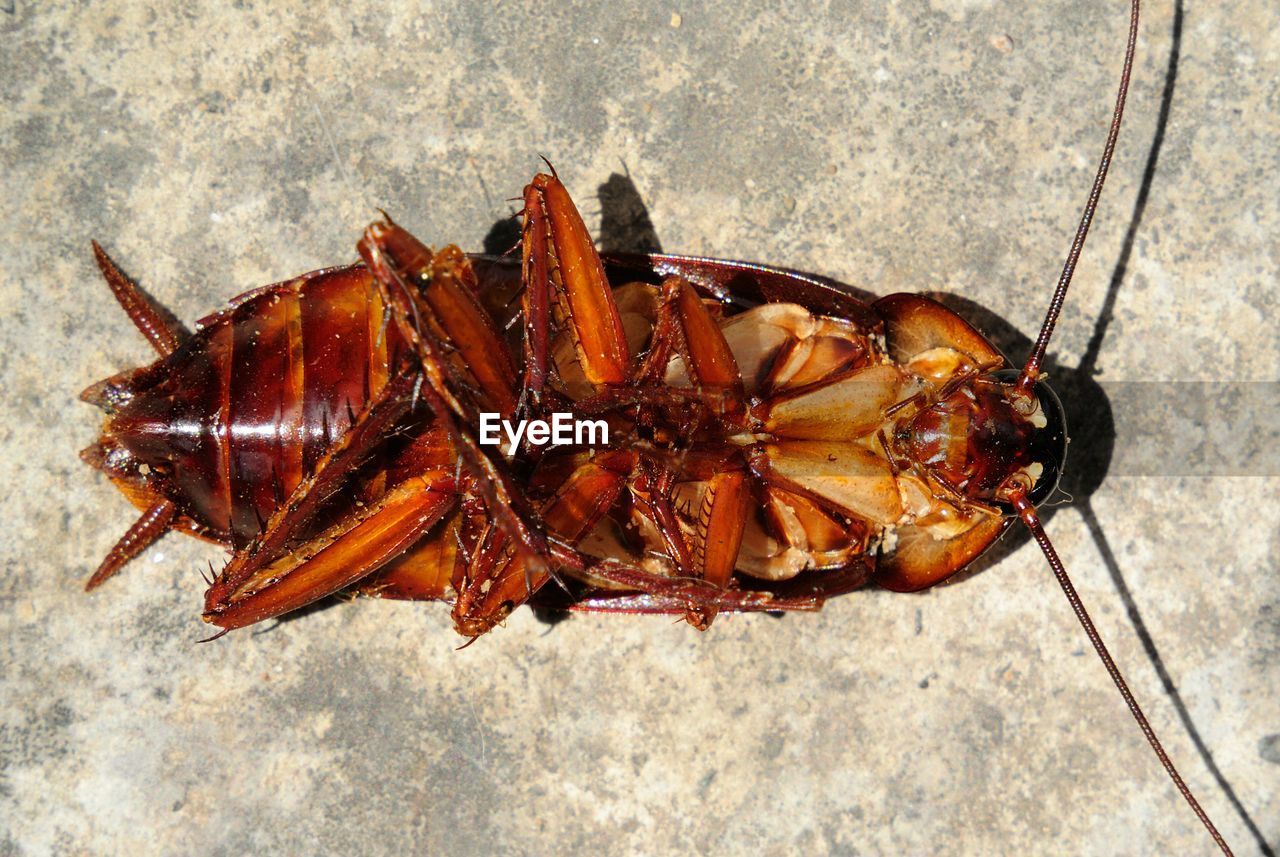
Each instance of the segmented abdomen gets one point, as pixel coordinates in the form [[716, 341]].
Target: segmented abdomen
[[241, 413]]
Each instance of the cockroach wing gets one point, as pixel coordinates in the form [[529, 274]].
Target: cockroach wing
[[918, 560], [916, 325]]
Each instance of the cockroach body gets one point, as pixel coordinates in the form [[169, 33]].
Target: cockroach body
[[226, 424], [835, 446], [773, 440]]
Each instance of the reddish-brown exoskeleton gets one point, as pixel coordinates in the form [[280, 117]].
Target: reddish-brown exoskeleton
[[760, 460], [772, 441]]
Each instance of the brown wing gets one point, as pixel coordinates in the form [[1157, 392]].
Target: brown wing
[[914, 324], [919, 560]]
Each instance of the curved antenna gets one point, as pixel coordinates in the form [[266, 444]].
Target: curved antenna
[[1023, 388], [1031, 370], [1027, 513]]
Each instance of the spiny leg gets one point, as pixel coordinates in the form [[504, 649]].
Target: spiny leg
[[686, 326], [241, 594], [331, 473], [449, 291], [721, 522], [666, 595], [656, 594], [535, 302], [711, 553], [562, 271], [662, 594], [498, 580], [705, 351], [399, 266], [350, 550]]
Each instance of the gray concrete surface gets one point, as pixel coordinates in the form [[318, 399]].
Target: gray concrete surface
[[936, 146]]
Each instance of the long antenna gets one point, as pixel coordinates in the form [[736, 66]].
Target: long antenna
[[1023, 389], [1031, 370], [1027, 512]]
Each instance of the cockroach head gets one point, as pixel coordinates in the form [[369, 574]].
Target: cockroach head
[[1036, 464], [985, 439]]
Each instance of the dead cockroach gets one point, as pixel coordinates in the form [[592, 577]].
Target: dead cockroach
[[768, 440]]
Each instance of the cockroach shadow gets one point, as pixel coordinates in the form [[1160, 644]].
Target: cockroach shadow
[[1092, 428], [309, 610], [625, 225], [503, 237]]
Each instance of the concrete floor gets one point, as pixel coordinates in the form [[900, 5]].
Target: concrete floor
[[932, 146]]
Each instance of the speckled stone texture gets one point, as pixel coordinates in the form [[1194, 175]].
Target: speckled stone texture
[[940, 146]]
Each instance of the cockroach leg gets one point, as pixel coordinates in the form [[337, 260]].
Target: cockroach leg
[[348, 551], [491, 590], [652, 489], [153, 524], [719, 529], [535, 300], [684, 327], [658, 593], [290, 565], [398, 280], [240, 596], [444, 390], [163, 336], [665, 340], [448, 286], [706, 352], [711, 554], [561, 264]]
